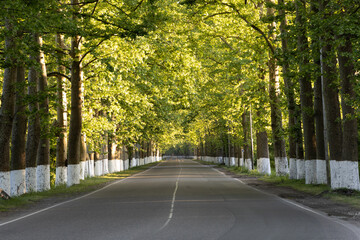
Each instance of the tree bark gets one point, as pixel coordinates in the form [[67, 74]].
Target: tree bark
[[61, 146], [18, 163], [306, 97], [246, 136], [289, 91], [43, 155], [33, 137], [76, 110], [7, 112], [322, 166], [349, 178], [281, 163]]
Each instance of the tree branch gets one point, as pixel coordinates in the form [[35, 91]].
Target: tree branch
[[56, 74], [92, 49], [252, 26]]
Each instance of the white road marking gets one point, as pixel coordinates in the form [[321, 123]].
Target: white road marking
[[173, 200], [72, 200], [351, 227]]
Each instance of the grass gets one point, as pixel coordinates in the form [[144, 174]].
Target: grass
[[346, 196], [62, 191]]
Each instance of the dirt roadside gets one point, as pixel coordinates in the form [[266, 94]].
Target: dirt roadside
[[317, 202]]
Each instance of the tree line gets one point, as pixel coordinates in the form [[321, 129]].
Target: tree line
[[271, 82]]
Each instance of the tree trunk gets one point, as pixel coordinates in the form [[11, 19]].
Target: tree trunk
[[61, 171], [76, 110], [331, 96], [247, 145], [289, 91], [18, 163], [281, 163], [345, 173], [111, 154], [322, 165], [300, 162], [43, 155], [33, 137], [6, 114], [83, 157], [306, 97]]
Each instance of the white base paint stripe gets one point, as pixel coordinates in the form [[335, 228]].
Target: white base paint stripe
[[17, 181]]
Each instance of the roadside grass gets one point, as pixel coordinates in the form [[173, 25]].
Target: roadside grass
[[61, 191], [346, 196]]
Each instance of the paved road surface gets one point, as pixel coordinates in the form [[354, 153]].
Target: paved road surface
[[178, 200]]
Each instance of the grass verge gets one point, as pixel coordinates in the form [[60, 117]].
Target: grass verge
[[62, 191], [346, 196]]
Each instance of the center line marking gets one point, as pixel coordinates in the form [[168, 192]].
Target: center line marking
[[173, 201]]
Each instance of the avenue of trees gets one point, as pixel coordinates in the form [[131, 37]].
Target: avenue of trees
[[263, 84]]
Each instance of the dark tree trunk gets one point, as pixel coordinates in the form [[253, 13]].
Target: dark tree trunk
[[290, 94], [246, 137], [350, 176], [61, 146], [19, 124], [43, 155], [281, 163], [6, 114], [348, 95], [306, 97], [18, 143], [33, 136], [74, 141], [331, 100]]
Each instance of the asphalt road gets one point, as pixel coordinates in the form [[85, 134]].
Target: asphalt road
[[178, 200]]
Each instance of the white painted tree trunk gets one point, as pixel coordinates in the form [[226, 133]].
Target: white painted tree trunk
[[263, 166], [133, 162], [17, 181], [242, 162], [73, 174], [281, 166], [82, 170], [248, 164], [86, 169], [61, 176], [300, 167], [232, 160], [293, 168], [111, 164], [99, 168], [321, 172], [310, 172], [344, 174], [91, 168], [42, 178], [105, 166], [126, 164], [30, 178], [5, 181], [121, 165]]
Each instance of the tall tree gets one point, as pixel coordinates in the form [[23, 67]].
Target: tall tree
[[289, 91], [306, 96], [76, 107], [18, 139], [7, 107], [33, 136], [61, 147], [43, 155], [281, 162]]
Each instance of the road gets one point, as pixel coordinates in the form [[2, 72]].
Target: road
[[178, 200]]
